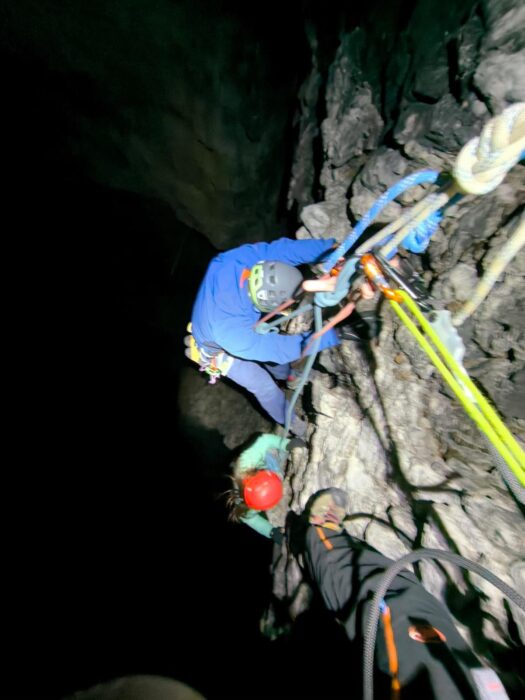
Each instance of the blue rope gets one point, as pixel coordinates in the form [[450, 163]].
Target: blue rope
[[324, 299], [273, 326], [418, 178], [419, 237], [274, 461]]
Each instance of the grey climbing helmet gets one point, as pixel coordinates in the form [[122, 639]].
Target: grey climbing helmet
[[270, 283]]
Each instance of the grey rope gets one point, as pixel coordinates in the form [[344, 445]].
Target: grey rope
[[273, 326], [305, 373], [386, 580], [508, 476]]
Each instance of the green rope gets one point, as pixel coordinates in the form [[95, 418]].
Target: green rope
[[479, 409], [463, 378]]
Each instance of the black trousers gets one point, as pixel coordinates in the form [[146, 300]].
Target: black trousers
[[433, 660]]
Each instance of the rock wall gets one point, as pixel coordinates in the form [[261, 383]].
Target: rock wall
[[383, 425]]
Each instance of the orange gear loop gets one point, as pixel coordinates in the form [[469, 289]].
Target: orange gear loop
[[374, 272]]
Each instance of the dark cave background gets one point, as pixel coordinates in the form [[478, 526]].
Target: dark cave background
[[118, 557]]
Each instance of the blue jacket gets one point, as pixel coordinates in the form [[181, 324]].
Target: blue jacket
[[224, 315]]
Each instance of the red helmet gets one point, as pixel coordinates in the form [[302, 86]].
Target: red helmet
[[263, 490]]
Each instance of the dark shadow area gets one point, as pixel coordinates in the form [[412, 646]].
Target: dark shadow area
[[118, 555], [119, 558]]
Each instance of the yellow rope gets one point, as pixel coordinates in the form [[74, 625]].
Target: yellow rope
[[479, 168], [479, 410], [463, 378]]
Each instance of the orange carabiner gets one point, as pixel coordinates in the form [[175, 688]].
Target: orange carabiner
[[336, 269], [374, 272]]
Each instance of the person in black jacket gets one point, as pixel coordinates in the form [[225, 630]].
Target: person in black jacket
[[419, 652]]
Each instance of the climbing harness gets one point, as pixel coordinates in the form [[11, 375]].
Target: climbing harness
[[216, 365], [378, 604]]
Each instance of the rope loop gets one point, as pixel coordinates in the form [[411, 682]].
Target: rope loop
[[483, 162], [324, 299], [419, 237], [420, 177]]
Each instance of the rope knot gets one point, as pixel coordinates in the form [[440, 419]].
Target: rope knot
[[485, 160]]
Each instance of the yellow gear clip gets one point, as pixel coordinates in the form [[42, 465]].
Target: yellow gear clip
[[192, 351], [215, 366]]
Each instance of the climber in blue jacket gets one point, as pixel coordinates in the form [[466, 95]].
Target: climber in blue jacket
[[238, 286]]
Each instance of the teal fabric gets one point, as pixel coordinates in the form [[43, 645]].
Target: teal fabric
[[265, 453], [255, 456], [258, 522]]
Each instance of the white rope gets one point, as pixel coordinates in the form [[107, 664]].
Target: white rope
[[504, 256], [483, 162]]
